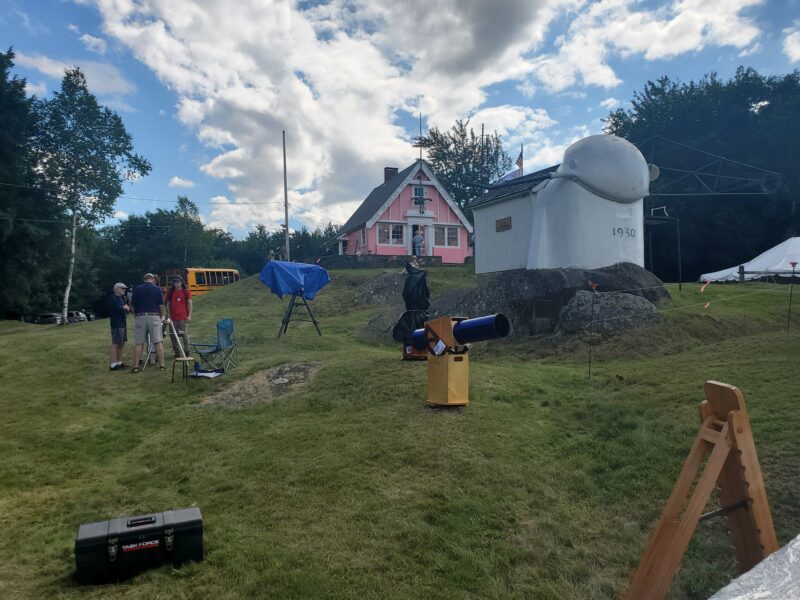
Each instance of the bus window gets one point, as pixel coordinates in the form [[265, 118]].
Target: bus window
[[213, 275], [200, 278], [236, 277], [225, 278]]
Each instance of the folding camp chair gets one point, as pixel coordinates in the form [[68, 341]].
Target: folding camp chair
[[223, 353]]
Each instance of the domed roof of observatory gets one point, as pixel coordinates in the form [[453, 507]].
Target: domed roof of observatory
[[607, 165]]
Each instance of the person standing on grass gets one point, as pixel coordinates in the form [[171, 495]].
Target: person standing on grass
[[118, 313], [179, 305], [147, 303]]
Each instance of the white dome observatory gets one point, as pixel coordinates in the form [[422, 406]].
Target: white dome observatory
[[589, 213], [584, 214]]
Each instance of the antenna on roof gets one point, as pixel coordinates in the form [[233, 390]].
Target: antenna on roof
[[419, 139]]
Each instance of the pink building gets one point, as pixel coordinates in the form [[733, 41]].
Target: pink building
[[408, 202]]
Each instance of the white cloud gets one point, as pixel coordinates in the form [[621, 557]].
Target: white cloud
[[610, 103], [94, 44], [120, 214], [335, 76], [791, 42], [40, 89], [619, 28], [754, 49], [73, 28], [102, 78], [546, 152], [180, 182], [338, 76]]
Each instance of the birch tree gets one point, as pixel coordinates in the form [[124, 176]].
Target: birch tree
[[84, 152]]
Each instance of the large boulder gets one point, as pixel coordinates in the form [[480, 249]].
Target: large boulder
[[386, 288], [605, 312], [533, 299]]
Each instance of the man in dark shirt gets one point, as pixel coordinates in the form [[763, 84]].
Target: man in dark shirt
[[118, 312], [147, 303]]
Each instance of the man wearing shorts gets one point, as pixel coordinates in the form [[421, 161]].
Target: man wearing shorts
[[118, 313], [147, 303]]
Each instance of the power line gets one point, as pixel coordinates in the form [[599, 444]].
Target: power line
[[143, 199], [140, 198], [308, 210], [128, 225]]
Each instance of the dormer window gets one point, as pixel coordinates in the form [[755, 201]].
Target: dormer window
[[418, 191]]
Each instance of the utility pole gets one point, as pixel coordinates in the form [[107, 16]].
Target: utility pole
[[285, 198], [483, 158]]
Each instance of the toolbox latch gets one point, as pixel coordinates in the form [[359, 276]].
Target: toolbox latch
[[169, 537], [112, 549]]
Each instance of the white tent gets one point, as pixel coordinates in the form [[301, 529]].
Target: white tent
[[775, 261]]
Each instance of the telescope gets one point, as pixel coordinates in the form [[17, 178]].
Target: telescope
[[446, 339]]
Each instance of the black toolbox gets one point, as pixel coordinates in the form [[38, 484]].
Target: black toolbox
[[120, 548]]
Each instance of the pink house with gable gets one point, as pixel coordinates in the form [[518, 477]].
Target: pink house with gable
[[408, 202]]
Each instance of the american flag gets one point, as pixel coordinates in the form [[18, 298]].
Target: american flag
[[519, 159]]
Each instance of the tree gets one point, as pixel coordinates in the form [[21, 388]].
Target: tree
[[460, 158], [83, 151], [158, 240], [31, 235], [751, 118]]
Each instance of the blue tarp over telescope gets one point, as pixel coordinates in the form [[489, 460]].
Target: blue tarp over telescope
[[294, 278]]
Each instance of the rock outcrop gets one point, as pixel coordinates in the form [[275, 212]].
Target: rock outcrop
[[533, 299], [605, 312]]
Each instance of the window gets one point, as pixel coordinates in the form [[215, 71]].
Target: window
[[452, 236], [363, 236], [225, 278], [397, 235], [445, 236], [390, 234], [200, 278], [418, 191], [213, 280], [438, 237], [383, 233]]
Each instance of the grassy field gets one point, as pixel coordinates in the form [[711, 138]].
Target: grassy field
[[546, 486]]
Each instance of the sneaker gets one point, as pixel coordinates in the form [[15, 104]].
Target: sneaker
[[117, 367], [162, 368], [135, 370]]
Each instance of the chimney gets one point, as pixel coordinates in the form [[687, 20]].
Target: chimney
[[388, 173]]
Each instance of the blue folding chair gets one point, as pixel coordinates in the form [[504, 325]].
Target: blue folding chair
[[223, 353]]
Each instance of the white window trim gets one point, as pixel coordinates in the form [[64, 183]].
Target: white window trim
[[445, 225], [391, 244]]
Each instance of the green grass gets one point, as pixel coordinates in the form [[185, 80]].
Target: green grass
[[546, 486]]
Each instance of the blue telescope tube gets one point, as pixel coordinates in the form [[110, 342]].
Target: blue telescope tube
[[471, 330]]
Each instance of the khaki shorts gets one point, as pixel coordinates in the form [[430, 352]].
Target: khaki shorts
[[148, 324]]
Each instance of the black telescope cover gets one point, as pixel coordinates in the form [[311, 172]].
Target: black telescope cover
[[417, 297]]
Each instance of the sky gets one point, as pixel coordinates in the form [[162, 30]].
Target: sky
[[206, 88]]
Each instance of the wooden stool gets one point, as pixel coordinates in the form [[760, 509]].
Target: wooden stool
[[184, 360]]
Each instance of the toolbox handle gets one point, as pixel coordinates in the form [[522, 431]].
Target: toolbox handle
[[141, 521]]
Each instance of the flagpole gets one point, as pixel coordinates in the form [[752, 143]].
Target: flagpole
[[285, 198]]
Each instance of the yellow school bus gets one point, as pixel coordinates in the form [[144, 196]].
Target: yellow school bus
[[201, 280]]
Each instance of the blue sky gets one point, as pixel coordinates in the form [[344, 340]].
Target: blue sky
[[206, 88]]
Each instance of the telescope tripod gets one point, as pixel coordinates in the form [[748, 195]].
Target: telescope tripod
[[172, 332], [732, 465], [294, 302]]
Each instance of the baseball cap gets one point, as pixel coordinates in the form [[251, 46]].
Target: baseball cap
[[149, 276], [120, 285]]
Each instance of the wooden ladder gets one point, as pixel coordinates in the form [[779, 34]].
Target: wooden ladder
[[732, 466]]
